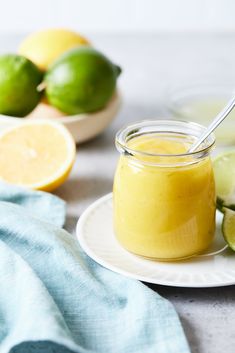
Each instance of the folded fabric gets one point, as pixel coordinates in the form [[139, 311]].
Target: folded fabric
[[54, 299]]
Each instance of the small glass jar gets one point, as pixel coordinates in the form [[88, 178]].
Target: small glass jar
[[164, 203]]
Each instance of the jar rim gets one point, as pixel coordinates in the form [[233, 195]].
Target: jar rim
[[132, 129]]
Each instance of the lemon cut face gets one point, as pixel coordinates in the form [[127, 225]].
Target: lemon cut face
[[38, 155]]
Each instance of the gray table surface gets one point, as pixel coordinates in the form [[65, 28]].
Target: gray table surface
[[153, 65]]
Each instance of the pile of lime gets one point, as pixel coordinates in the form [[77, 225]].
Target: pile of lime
[[224, 171], [60, 67]]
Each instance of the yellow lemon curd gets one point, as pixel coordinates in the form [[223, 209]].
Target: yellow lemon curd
[[164, 206]]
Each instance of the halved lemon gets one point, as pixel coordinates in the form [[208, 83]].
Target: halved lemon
[[36, 154]]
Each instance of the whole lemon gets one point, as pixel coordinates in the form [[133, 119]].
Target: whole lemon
[[45, 46], [81, 80], [19, 80]]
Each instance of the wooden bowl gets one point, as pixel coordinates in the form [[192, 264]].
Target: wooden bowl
[[83, 127]]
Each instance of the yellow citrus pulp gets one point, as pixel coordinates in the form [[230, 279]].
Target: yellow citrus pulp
[[43, 47], [37, 154]]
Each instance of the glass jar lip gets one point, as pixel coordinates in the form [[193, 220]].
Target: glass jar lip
[[128, 130]]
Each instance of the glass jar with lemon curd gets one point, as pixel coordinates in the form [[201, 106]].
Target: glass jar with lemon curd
[[164, 196]]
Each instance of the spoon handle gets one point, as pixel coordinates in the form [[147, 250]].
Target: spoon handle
[[218, 119]]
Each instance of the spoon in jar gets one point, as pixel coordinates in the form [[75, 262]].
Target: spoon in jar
[[214, 124]]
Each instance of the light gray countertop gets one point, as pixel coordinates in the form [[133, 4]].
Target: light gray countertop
[[152, 65]]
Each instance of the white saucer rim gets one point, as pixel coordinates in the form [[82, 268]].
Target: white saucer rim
[[92, 255]]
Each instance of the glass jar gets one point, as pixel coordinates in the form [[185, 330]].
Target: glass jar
[[164, 197]]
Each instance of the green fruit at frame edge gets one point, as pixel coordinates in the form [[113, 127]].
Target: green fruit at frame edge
[[224, 172], [81, 80], [228, 227], [19, 79]]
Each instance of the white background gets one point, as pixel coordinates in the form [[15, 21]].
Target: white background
[[20, 16]]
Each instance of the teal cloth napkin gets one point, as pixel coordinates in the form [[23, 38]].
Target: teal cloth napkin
[[54, 299]]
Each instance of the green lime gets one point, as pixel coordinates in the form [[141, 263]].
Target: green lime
[[19, 79], [224, 171], [228, 227], [81, 80]]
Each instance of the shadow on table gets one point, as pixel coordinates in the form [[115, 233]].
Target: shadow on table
[[70, 224], [85, 188], [190, 333], [187, 301], [191, 295]]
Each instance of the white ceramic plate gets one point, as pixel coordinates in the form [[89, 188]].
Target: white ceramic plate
[[96, 237]]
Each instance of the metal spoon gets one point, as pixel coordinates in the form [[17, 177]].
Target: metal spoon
[[214, 124]]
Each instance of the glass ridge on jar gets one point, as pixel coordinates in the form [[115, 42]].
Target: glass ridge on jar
[[164, 203]]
